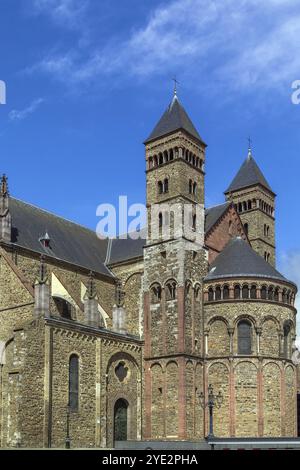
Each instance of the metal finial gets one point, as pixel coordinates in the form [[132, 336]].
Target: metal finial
[[249, 147], [175, 85]]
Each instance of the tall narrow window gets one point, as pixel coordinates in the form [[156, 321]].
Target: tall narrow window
[[166, 185], [244, 337], [160, 187], [237, 292], [190, 186], [74, 382], [286, 345], [246, 228]]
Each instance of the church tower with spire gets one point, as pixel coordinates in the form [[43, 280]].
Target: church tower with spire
[[175, 262], [255, 203]]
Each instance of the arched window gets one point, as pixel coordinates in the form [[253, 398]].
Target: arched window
[[276, 294], [120, 420], [246, 228], [249, 205], [160, 220], [156, 294], [166, 156], [74, 382], [65, 309], [150, 163], [225, 292], [166, 185], [237, 292], [270, 293], [284, 296], [194, 222], [190, 187], [160, 187], [210, 294], [286, 340], [171, 290], [195, 189], [171, 155], [245, 205], [240, 208], [218, 293], [253, 294], [263, 293], [245, 292], [244, 337]]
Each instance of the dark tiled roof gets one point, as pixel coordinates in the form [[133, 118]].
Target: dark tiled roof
[[173, 119], [248, 175], [212, 215], [69, 242], [127, 249], [238, 259]]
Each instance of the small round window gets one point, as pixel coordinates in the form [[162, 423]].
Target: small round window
[[121, 371]]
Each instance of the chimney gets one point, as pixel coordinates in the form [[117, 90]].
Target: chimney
[[119, 313], [42, 292], [5, 217], [91, 313]]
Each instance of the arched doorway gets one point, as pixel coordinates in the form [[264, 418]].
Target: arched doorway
[[120, 420]]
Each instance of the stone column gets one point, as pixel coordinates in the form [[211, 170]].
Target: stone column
[[230, 332], [258, 336], [206, 332], [42, 293], [91, 313], [119, 313]]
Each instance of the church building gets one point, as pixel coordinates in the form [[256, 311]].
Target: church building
[[114, 340]]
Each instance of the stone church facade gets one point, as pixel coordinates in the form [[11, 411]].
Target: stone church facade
[[105, 340]]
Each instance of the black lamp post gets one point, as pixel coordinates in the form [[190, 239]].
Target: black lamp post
[[213, 400], [68, 439]]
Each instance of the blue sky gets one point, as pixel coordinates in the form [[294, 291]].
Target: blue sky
[[87, 80]]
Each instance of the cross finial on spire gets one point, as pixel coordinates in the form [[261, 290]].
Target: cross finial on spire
[[249, 147], [175, 85]]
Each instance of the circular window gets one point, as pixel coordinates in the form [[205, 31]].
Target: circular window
[[121, 371]]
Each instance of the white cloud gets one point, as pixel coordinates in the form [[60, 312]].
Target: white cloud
[[236, 44], [19, 115], [290, 266], [67, 13]]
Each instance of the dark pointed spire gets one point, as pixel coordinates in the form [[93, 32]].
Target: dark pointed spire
[[174, 119], [249, 174]]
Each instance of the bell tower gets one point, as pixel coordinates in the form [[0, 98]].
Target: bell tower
[[175, 262], [255, 203]]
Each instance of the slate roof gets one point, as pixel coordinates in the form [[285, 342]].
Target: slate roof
[[248, 175], [173, 119], [76, 244], [238, 259], [69, 242], [212, 215]]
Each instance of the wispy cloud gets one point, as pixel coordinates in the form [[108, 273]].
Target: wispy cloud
[[235, 44], [66, 13], [290, 266], [19, 115]]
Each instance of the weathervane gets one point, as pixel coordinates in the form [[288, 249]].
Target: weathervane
[[175, 85]]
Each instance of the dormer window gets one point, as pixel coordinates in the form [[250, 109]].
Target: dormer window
[[45, 240]]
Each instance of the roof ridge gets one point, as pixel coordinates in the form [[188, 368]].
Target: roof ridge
[[46, 211]]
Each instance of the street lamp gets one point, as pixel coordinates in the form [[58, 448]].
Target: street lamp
[[213, 400], [68, 439]]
